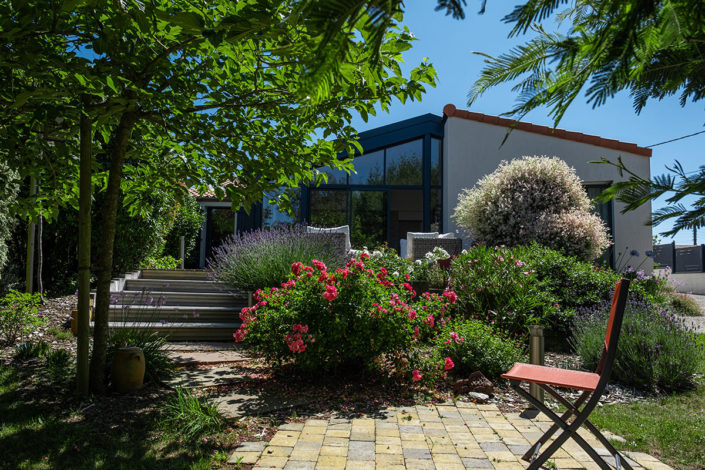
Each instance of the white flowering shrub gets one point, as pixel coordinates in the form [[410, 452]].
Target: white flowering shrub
[[533, 199]]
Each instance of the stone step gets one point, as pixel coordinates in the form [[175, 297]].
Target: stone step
[[174, 314], [193, 274], [183, 331], [135, 298], [174, 285]]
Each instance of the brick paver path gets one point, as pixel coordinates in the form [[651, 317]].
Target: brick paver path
[[435, 437]]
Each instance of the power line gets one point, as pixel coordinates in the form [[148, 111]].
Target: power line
[[673, 140]]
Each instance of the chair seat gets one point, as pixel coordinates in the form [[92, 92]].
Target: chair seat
[[574, 379]]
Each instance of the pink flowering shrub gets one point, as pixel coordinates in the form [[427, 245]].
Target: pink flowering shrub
[[323, 321], [533, 199], [498, 287]]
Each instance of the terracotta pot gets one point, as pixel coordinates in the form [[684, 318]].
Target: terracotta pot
[[128, 369]]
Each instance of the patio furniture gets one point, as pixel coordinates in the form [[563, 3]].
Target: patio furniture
[[344, 229], [421, 246], [591, 384]]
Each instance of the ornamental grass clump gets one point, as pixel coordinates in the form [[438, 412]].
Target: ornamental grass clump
[[533, 199], [325, 320], [262, 258], [656, 349]]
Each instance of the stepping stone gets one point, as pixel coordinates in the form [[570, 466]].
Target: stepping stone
[[252, 402], [191, 378], [206, 357]]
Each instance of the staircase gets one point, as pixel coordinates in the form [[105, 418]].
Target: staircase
[[183, 305]]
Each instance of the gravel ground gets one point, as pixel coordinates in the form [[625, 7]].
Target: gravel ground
[[697, 322]]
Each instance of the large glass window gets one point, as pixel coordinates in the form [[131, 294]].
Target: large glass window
[[220, 225], [404, 163], [368, 218], [436, 209], [273, 216], [335, 175], [436, 161], [405, 214], [328, 208], [604, 210], [369, 169]]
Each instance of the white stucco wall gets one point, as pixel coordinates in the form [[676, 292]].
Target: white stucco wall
[[472, 149]]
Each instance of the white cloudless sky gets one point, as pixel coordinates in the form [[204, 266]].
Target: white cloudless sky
[[449, 45]]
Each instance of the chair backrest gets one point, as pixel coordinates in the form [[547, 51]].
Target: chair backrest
[[614, 325]]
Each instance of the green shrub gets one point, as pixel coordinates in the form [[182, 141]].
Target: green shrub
[[655, 349], [262, 258], [683, 304], [495, 285], [58, 364], [190, 417], [31, 349], [533, 199], [163, 262], [187, 223], [158, 363], [333, 321], [475, 346], [59, 333], [18, 316]]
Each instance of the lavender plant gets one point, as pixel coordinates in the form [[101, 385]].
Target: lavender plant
[[656, 349], [263, 258]]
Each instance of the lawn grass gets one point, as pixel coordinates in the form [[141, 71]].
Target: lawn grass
[[671, 428], [45, 427]]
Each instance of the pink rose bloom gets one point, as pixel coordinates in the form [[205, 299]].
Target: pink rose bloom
[[416, 375], [451, 296], [331, 293], [296, 268], [416, 331], [430, 320], [412, 315], [449, 364], [318, 265]]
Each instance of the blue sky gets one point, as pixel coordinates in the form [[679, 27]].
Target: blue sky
[[449, 45]]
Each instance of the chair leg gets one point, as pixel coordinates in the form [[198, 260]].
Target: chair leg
[[573, 408], [555, 427], [568, 431]]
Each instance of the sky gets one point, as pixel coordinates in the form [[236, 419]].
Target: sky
[[449, 45]]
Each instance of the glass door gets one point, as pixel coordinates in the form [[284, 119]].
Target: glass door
[[220, 224]]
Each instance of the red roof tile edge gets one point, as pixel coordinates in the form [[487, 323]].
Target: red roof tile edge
[[450, 110]]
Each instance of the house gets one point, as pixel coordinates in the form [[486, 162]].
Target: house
[[412, 171]]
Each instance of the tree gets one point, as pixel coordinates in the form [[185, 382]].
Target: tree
[[652, 49], [186, 96]]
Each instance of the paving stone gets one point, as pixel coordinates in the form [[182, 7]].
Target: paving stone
[[362, 436], [449, 466], [317, 422], [388, 440], [339, 451], [388, 449], [291, 427], [307, 445], [272, 462], [206, 357], [212, 377], [277, 451], [330, 462], [337, 433], [477, 463], [255, 446], [360, 465], [443, 449], [363, 451], [519, 449], [416, 453], [412, 437], [447, 458], [501, 456], [406, 429], [507, 466], [493, 447], [419, 464], [244, 457], [299, 465], [285, 438], [340, 427], [308, 437], [389, 459], [309, 455], [336, 441]]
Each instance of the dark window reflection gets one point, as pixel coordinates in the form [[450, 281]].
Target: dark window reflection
[[436, 210], [404, 163], [369, 169], [435, 161], [405, 214], [328, 208], [368, 219], [273, 216], [604, 210], [335, 175]]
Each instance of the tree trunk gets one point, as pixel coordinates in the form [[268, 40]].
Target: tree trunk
[[84, 258], [40, 255], [105, 257], [29, 266]]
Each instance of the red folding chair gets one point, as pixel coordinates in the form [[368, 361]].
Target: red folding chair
[[591, 384]]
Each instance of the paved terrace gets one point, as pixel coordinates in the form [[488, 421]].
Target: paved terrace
[[442, 437]]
